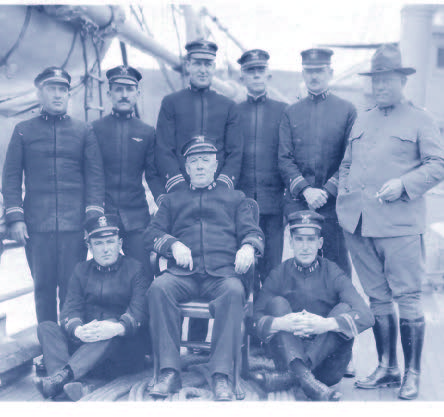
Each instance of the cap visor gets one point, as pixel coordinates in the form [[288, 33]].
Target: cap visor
[[202, 55], [104, 231], [121, 80], [254, 65], [314, 66], [55, 80]]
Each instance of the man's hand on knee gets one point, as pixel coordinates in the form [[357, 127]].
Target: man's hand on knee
[[182, 255], [244, 258]]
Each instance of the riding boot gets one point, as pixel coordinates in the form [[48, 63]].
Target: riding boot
[[412, 339], [272, 381], [387, 373]]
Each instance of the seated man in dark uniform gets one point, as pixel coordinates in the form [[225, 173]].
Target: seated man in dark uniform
[[101, 317], [309, 312], [209, 234]]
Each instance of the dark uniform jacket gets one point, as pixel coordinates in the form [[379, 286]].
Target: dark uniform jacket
[[317, 290], [116, 292], [312, 140], [127, 147], [193, 112], [63, 170], [404, 143], [260, 177], [213, 222]]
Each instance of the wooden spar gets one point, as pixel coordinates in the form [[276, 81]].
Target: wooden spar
[[102, 15]]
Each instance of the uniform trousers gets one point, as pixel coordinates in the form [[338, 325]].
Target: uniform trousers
[[273, 227], [389, 269], [334, 248], [106, 358], [52, 257], [327, 354], [133, 247], [227, 299]]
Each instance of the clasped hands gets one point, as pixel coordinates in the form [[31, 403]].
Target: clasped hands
[[96, 331], [183, 257], [315, 197], [304, 324]]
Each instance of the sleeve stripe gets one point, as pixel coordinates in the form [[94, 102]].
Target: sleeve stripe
[[161, 241], [94, 208], [173, 181], [351, 323], [14, 210], [334, 181], [295, 182], [131, 319], [227, 180]]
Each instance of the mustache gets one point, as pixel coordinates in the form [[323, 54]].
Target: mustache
[[124, 100]]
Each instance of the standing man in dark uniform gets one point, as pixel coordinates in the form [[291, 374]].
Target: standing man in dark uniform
[[312, 141], [209, 235], [198, 110], [309, 312], [395, 154], [101, 320], [260, 177], [127, 147], [64, 181]]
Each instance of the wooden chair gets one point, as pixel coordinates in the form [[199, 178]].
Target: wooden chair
[[200, 309]]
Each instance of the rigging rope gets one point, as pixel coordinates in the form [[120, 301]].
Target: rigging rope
[[182, 72], [25, 25]]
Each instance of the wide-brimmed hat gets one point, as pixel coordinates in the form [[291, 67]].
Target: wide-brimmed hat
[[387, 58]]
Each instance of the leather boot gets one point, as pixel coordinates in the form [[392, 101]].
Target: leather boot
[[221, 389], [169, 383], [412, 339], [51, 386], [387, 373], [272, 381], [312, 387]]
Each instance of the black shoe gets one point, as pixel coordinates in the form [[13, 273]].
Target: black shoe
[[221, 389], [381, 377], [412, 339], [169, 382], [272, 381], [316, 390], [50, 386]]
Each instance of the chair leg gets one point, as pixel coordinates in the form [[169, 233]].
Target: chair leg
[[155, 368], [237, 387]]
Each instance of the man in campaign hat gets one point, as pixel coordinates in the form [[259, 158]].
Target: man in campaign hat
[[198, 110], [64, 185], [312, 140], [260, 177], [101, 318], [309, 312], [209, 234], [127, 147], [394, 155]]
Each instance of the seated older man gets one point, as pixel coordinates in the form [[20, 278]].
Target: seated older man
[[209, 235], [309, 312], [101, 318]]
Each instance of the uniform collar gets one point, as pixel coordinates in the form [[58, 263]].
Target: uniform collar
[[320, 96], [197, 89], [388, 110], [110, 268], [210, 187], [257, 99], [310, 268], [46, 116], [123, 115]]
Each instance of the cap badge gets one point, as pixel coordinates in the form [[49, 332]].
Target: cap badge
[[124, 71], [200, 139], [305, 218], [255, 55], [58, 73], [102, 221], [313, 54]]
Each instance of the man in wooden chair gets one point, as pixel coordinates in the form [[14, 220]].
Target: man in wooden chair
[[309, 312], [209, 234]]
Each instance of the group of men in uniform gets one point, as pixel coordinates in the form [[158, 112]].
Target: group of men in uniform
[[225, 176]]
